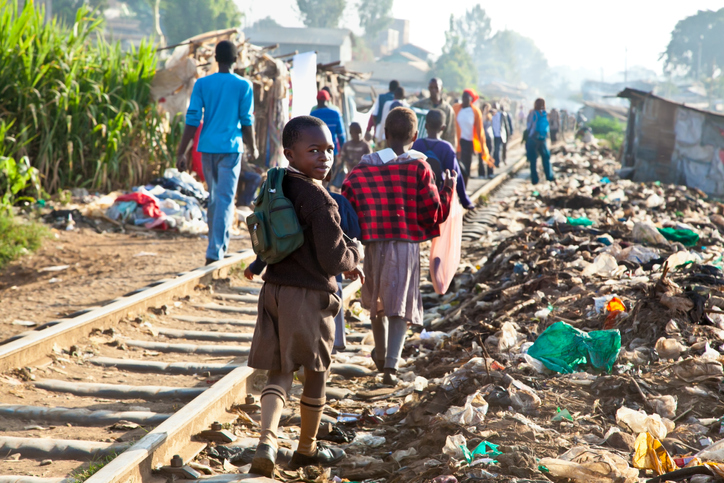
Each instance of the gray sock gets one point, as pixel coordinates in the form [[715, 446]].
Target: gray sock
[[379, 332], [395, 341]]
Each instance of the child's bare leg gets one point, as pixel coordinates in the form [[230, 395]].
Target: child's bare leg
[[379, 332], [311, 408]]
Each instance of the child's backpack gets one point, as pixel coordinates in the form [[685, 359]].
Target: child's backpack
[[542, 126], [274, 227], [435, 164]]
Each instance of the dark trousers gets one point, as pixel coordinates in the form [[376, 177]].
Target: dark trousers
[[483, 167], [533, 148], [466, 158], [554, 135], [497, 145]]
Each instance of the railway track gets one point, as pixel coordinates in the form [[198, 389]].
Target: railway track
[[135, 387]]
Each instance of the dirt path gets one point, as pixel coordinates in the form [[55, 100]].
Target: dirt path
[[101, 267]]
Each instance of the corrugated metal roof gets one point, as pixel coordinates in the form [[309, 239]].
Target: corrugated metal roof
[[629, 93], [284, 35]]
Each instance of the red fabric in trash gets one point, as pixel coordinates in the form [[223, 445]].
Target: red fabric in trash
[[150, 208], [196, 156]]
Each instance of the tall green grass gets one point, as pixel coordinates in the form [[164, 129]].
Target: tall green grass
[[79, 107]]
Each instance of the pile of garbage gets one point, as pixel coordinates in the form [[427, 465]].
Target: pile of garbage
[[581, 340]]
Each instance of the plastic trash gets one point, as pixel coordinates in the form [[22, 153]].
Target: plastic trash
[[445, 479], [472, 414], [454, 446], [543, 314], [600, 303], [369, 440], [485, 452], [563, 348], [669, 348], [640, 422], [562, 414], [698, 370], [401, 454], [614, 307], [682, 258], [605, 239], [445, 249], [646, 232], [582, 221], [650, 454], [715, 452], [638, 254], [523, 397], [654, 201], [686, 237], [603, 265], [508, 337], [588, 465], [664, 406]]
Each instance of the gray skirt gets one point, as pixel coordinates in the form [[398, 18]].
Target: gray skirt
[[294, 328], [392, 286]]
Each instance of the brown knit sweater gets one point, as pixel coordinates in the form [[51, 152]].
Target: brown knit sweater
[[325, 253]]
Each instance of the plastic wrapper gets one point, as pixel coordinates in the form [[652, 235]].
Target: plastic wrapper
[[563, 348], [640, 422], [669, 348], [646, 232], [586, 465], [445, 249], [650, 454], [472, 414]]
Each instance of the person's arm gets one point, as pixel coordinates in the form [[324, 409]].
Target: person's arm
[[246, 119], [193, 118], [460, 186], [451, 123], [433, 207], [333, 252], [256, 267], [341, 135]]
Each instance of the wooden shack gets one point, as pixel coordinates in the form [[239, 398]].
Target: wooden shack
[[673, 143]]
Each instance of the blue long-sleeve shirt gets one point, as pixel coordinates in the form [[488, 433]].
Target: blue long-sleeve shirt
[[333, 119], [225, 102], [349, 223], [446, 154]]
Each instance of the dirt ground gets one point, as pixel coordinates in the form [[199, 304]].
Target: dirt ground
[[101, 267]]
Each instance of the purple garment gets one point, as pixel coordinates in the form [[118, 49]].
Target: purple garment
[[446, 154]]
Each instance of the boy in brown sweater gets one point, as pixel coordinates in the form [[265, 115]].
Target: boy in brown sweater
[[298, 302]]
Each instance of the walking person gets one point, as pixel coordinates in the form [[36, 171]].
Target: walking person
[[499, 126], [510, 130], [225, 103], [483, 169], [375, 122], [297, 303], [536, 144], [394, 194], [333, 119], [471, 139], [555, 124], [436, 101]]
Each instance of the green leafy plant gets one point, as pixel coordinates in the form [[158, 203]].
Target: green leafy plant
[[77, 106], [609, 130], [18, 238]]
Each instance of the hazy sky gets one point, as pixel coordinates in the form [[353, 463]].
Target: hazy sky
[[582, 35]]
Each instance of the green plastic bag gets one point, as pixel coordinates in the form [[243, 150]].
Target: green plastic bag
[[484, 449], [582, 221], [562, 348], [686, 237]]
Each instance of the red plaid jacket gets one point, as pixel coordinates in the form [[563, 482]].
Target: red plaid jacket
[[397, 200]]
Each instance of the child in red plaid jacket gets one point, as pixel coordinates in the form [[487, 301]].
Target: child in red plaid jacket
[[394, 194]]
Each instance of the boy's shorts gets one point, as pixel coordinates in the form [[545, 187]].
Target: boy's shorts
[[294, 328]]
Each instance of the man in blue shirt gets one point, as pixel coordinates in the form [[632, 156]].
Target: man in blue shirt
[[225, 102], [376, 113], [333, 119]]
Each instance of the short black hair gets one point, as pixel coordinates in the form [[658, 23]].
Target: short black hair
[[226, 52], [394, 85], [401, 124], [435, 118], [294, 128], [400, 93], [355, 124]]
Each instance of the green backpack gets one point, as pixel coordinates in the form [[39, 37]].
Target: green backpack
[[274, 227]]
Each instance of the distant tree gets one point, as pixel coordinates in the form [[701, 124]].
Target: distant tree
[[512, 58], [474, 27], [374, 16], [695, 48], [65, 10], [265, 23], [321, 13], [360, 50], [455, 66], [182, 19]]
